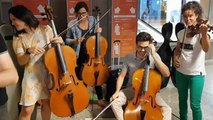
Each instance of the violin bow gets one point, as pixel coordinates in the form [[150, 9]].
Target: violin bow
[[184, 37], [104, 109]]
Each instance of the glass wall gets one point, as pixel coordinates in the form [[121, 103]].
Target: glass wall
[[155, 13]]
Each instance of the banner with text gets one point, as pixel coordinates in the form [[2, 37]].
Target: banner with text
[[124, 26]]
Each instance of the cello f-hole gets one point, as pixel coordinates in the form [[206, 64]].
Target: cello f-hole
[[50, 81], [135, 102], [152, 102]]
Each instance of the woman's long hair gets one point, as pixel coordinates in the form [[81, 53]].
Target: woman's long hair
[[25, 15]]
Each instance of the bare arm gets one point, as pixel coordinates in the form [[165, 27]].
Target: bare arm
[[205, 40], [177, 52], [120, 81], [8, 71], [118, 84], [164, 70], [24, 57]]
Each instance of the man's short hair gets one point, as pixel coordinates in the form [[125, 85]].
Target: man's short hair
[[144, 36]]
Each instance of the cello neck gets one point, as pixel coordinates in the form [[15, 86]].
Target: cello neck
[[63, 66], [145, 82], [98, 49], [54, 28], [145, 79], [98, 34]]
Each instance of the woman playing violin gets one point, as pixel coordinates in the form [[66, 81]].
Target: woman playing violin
[[76, 39], [28, 43], [189, 60], [133, 62]]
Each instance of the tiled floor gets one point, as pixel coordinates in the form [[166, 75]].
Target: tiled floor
[[170, 96]]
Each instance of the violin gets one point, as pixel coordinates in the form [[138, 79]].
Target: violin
[[194, 29], [95, 72], [143, 106], [68, 95]]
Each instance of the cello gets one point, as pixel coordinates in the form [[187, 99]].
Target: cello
[[143, 106], [68, 95], [95, 72]]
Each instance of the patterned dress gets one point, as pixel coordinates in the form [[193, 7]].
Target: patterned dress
[[33, 85]]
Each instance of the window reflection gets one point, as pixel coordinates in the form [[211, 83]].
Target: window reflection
[[157, 12], [149, 11]]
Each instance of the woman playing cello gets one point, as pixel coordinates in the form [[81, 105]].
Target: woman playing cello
[[133, 62], [28, 43], [75, 39]]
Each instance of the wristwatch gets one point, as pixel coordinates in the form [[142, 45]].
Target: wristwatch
[[27, 51]]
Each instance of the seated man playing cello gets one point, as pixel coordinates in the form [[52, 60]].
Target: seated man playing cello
[[132, 63]]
